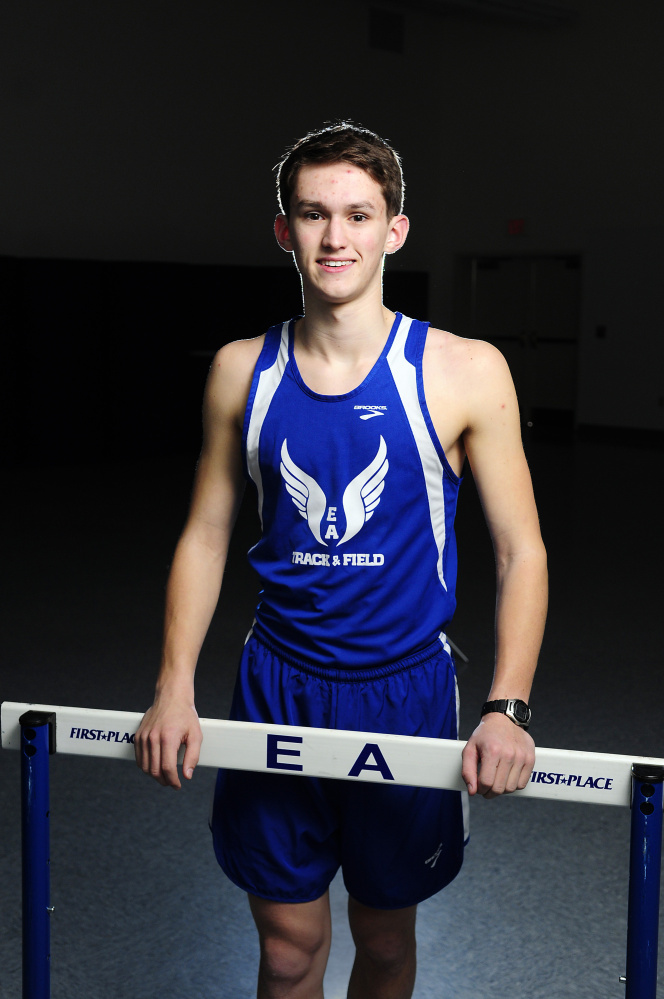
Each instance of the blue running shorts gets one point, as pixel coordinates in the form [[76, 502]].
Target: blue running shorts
[[283, 837]]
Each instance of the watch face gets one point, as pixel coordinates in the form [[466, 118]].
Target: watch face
[[521, 712]]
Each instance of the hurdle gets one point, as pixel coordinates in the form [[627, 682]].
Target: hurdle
[[38, 730]]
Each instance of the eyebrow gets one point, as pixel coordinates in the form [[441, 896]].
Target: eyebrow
[[318, 206]]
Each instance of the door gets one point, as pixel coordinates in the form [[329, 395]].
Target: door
[[529, 307]]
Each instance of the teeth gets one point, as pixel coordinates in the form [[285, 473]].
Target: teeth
[[336, 263]]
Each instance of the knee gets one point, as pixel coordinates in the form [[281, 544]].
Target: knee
[[384, 939], [289, 959], [386, 949]]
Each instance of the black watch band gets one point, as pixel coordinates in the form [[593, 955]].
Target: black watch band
[[517, 711]]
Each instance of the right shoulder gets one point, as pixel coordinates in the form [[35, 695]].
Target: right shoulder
[[229, 379], [237, 359]]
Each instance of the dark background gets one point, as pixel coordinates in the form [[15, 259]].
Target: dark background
[[136, 198], [136, 205]]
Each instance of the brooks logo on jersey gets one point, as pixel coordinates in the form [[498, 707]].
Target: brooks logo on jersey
[[360, 498], [371, 411]]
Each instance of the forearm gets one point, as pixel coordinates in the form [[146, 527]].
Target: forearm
[[521, 604], [192, 594], [191, 598], [499, 756]]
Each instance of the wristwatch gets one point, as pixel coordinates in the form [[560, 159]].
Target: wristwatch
[[517, 711]]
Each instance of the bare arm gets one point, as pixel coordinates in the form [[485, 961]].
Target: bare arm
[[198, 565], [499, 755], [478, 394]]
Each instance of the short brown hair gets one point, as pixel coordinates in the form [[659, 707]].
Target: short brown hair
[[344, 142]]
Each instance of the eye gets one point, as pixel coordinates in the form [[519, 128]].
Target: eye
[[359, 218], [313, 216]]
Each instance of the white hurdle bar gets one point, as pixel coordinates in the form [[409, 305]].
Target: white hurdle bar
[[563, 775], [593, 778]]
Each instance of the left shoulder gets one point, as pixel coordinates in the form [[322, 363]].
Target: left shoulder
[[471, 372], [461, 356]]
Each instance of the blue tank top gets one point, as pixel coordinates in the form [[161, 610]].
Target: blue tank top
[[357, 500]]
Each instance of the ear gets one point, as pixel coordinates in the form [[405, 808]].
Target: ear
[[282, 232], [397, 233]]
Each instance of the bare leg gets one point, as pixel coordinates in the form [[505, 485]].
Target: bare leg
[[385, 961], [295, 944]]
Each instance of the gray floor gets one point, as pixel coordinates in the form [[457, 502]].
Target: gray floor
[[539, 910]]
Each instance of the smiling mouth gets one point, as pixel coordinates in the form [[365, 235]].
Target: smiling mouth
[[335, 263]]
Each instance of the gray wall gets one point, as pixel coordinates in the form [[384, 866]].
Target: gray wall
[[146, 130]]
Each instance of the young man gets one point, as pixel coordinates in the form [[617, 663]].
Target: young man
[[353, 424]]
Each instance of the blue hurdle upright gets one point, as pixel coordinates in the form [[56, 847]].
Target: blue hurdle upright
[[37, 743], [645, 861]]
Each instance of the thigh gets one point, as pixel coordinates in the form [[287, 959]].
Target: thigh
[[400, 844], [276, 835], [307, 923]]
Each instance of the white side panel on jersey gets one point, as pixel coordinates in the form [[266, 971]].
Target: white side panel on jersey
[[405, 378], [268, 383], [560, 774], [465, 799]]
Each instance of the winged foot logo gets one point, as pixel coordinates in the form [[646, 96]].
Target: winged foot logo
[[360, 499]]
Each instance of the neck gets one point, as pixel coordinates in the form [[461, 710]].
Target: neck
[[335, 349], [352, 329]]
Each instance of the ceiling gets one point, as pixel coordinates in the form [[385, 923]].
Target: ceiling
[[543, 12]]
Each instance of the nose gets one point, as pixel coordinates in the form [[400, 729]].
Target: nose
[[334, 237]]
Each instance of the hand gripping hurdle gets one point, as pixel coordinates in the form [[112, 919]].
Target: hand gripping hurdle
[[593, 778]]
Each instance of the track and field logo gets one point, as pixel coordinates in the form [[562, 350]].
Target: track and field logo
[[360, 499]]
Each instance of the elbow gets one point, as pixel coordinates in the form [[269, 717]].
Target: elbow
[[531, 558], [205, 541]]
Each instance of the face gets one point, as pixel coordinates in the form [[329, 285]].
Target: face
[[338, 231]]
